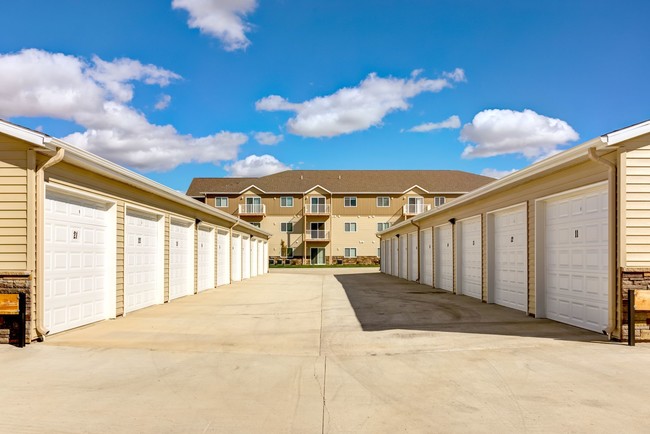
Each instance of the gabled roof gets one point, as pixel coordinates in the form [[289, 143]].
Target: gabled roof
[[345, 181]]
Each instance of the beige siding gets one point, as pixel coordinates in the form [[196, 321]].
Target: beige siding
[[13, 204], [364, 239], [635, 172], [566, 179]]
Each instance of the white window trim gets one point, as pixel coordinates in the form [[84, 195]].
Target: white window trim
[[349, 249], [286, 197], [221, 206], [383, 197], [350, 197], [348, 224], [438, 198]]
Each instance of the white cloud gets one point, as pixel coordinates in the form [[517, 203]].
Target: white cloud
[[499, 132], [222, 19], [256, 165], [268, 138], [163, 102], [496, 173], [95, 95], [452, 122], [357, 108]]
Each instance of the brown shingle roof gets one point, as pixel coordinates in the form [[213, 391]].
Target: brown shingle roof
[[345, 181]]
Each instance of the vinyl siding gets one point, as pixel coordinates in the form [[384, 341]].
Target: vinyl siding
[[364, 239], [635, 171], [13, 204]]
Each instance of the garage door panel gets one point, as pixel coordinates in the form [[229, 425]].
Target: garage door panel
[[143, 261], [223, 258], [471, 258], [413, 256], [75, 261], [575, 258], [181, 259], [395, 257], [403, 257], [510, 258], [443, 258], [236, 258], [205, 278], [426, 266]]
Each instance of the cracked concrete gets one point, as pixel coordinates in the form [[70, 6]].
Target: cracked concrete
[[325, 350]]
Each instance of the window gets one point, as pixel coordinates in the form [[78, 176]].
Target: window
[[383, 201], [350, 252], [350, 201], [286, 227], [350, 227], [256, 224], [287, 252], [438, 200], [382, 226], [286, 202], [221, 202]]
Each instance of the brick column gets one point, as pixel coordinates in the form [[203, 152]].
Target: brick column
[[637, 279], [15, 283]]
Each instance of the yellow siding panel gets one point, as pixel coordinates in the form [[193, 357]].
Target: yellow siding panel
[[637, 207]]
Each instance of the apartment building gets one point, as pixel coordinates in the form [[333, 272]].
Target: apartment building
[[332, 216]]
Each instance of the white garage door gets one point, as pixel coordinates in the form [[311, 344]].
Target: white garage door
[[384, 260], [254, 257], [265, 257], [394, 269], [576, 259], [223, 258], [181, 259], [403, 256], [509, 266], [261, 248], [246, 257], [206, 259], [444, 258], [413, 256], [236, 258], [470, 274], [76, 262], [143, 261], [426, 257]]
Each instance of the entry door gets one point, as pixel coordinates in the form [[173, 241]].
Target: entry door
[[470, 275], [415, 205], [394, 267], [576, 268], [444, 258], [223, 258], [318, 256], [236, 258], [413, 257], [508, 263], [206, 259], [143, 260], [317, 204], [426, 254], [181, 259], [253, 204], [246, 257], [76, 267]]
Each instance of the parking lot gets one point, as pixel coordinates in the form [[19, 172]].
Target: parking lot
[[325, 350]]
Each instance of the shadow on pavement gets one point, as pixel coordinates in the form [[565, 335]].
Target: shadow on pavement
[[383, 302]]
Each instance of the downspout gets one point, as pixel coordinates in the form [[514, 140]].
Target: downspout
[[417, 279], [40, 234], [612, 235]]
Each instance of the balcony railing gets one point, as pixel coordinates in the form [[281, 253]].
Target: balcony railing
[[317, 209], [415, 208], [252, 209], [318, 235]]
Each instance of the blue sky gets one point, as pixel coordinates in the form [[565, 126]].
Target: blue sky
[[181, 88]]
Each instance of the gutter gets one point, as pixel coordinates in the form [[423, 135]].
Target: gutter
[[41, 331], [613, 241]]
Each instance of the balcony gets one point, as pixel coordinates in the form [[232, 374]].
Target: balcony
[[317, 235], [252, 209], [317, 209], [415, 208]]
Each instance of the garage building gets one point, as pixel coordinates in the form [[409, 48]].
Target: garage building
[[87, 240], [563, 239]]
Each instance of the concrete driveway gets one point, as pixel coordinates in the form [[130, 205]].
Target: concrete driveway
[[323, 350]]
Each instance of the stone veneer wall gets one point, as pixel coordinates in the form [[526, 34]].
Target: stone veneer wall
[[636, 279], [12, 283]]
